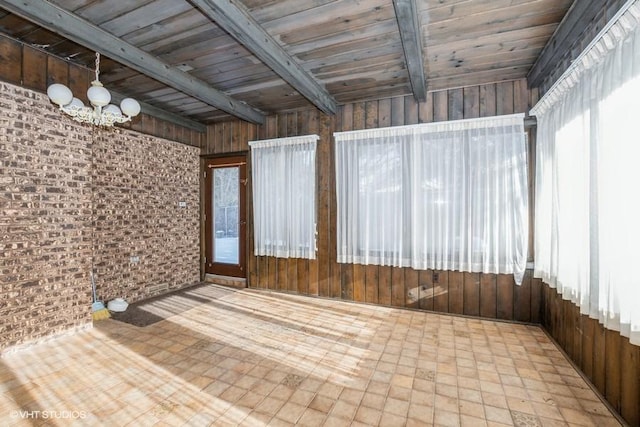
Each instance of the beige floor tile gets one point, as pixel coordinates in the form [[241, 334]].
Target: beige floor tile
[[392, 420], [254, 358], [446, 418], [311, 418], [572, 416], [322, 404]]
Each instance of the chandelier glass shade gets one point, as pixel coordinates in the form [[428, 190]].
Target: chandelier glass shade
[[101, 112]]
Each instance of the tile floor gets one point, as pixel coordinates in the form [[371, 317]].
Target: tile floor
[[246, 357]]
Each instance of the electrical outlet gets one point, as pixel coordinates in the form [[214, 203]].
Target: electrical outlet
[[182, 204], [435, 277], [134, 259]]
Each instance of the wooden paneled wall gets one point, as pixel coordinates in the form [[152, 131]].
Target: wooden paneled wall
[[606, 358], [35, 69], [474, 294]]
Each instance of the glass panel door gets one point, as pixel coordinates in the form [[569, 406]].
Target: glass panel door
[[225, 216], [226, 197]]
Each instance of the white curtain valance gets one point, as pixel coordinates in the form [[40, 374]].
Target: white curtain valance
[[434, 127], [279, 142], [609, 38], [283, 174], [447, 195]]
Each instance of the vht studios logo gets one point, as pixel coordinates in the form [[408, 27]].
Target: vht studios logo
[[45, 415]]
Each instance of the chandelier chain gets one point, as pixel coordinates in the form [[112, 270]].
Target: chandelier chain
[[97, 66]]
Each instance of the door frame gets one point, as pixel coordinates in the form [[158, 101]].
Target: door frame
[[209, 162]]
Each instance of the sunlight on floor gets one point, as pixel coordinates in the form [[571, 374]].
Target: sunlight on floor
[[245, 357]]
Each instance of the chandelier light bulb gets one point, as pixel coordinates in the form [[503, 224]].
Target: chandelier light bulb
[[113, 109], [98, 95], [130, 107], [75, 104], [59, 94]]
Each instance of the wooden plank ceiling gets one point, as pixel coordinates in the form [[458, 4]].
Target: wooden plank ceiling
[[351, 49]]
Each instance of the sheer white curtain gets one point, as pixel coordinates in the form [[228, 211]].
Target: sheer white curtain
[[450, 195], [587, 216], [283, 175]]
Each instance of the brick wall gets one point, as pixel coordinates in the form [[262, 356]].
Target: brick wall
[[139, 183], [45, 219], [53, 171]]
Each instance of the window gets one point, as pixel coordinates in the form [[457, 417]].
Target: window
[[284, 196], [450, 195]]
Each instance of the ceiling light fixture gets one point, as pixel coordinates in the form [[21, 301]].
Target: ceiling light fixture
[[102, 113]]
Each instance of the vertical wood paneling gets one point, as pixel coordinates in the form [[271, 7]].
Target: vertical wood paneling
[[411, 276], [384, 285], [471, 297], [411, 111], [612, 368], [57, 71], [384, 272], [343, 118], [425, 289], [397, 273], [456, 104], [505, 293], [411, 288], [372, 278], [284, 266], [471, 102], [397, 112], [630, 382], [488, 100], [599, 355], [440, 291], [520, 96], [297, 275], [35, 61], [262, 262], [10, 53], [488, 296], [609, 360], [359, 271], [577, 335], [456, 295], [504, 98], [425, 109], [522, 296], [567, 320], [397, 287], [440, 106], [252, 260], [272, 131], [325, 234], [310, 124], [587, 346]]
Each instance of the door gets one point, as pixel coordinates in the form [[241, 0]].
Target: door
[[225, 216]]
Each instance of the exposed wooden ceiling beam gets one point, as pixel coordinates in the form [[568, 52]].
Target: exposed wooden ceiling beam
[[236, 20], [74, 28], [162, 114], [580, 14], [407, 17]]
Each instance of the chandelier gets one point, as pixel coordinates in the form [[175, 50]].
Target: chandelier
[[102, 113]]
